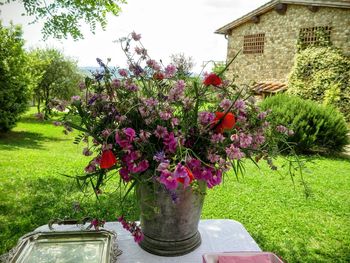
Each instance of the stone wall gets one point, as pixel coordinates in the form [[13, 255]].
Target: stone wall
[[281, 35]]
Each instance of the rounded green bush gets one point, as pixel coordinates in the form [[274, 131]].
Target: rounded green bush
[[317, 128]]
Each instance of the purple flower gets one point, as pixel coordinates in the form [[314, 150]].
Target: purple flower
[[141, 51], [259, 139], [205, 117], [159, 156], [182, 174], [87, 152], [213, 158], [75, 98], [170, 142], [132, 87], [170, 71], [168, 179], [262, 115], [245, 140], [130, 133], [123, 72], [136, 69], [217, 137], [116, 83], [234, 153], [165, 115], [153, 64], [135, 36], [144, 136], [214, 179], [57, 123], [225, 104], [106, 132], [281, 129], [174, 122], [160, 132], [176, 93], [139, 167], [164, 165], [240, 105], [138, 236], [126, 138], [124, 174]]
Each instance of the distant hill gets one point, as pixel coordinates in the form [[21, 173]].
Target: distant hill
[[87, 70]]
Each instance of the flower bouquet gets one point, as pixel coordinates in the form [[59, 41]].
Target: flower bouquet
[[150, 125]]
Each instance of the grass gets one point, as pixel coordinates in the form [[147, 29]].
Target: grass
[[275, 211]]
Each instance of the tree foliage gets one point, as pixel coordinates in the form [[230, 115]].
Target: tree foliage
[[13, 76], [55, 77], [63, 17], [322, 74]]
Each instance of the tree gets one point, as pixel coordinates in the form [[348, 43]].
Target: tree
[[63, 17], [56, 76], [13, 76]]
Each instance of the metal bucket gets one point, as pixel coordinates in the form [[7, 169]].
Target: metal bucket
[[170, 228]]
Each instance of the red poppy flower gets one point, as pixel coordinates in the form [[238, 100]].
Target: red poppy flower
[[190, 175], [158, 76], [107, 159], [212, 79], [226, 123]]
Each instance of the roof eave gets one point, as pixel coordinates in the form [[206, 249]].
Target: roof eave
[[270, 5]]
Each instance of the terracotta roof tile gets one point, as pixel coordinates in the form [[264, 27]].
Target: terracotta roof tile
[[269, 87]]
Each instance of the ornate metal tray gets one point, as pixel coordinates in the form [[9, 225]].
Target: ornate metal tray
[[66, 247]]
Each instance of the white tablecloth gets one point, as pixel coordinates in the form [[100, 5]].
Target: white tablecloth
[[218, 235]]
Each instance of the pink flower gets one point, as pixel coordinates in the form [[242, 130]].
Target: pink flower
[[153, 64], [245, 140], [165, 115], [124, 174], [163, 166], [217, 137], [135, 36], [225, 104], [214, 179], [168, 179], [234, 153], [123, 72], [176, 93], [170, 142], [87, 152], [183, 175], [116, 83], [126, 138], [240, 105], [205, 117], [170, 71], [160, 132]]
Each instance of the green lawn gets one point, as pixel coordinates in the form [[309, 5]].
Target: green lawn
[[275, 212]]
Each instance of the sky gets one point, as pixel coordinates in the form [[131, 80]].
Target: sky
[[167, 27]]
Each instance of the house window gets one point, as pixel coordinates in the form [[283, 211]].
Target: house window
[[254, 44], [319, 36]]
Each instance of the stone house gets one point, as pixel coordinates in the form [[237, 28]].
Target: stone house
[[267, 38]]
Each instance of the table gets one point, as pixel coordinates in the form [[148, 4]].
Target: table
[[218, 235]]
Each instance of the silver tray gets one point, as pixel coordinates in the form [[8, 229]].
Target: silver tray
[[66, 247]]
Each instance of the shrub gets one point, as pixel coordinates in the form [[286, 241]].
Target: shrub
[[13, 77], [322, 74], [317, 128]]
